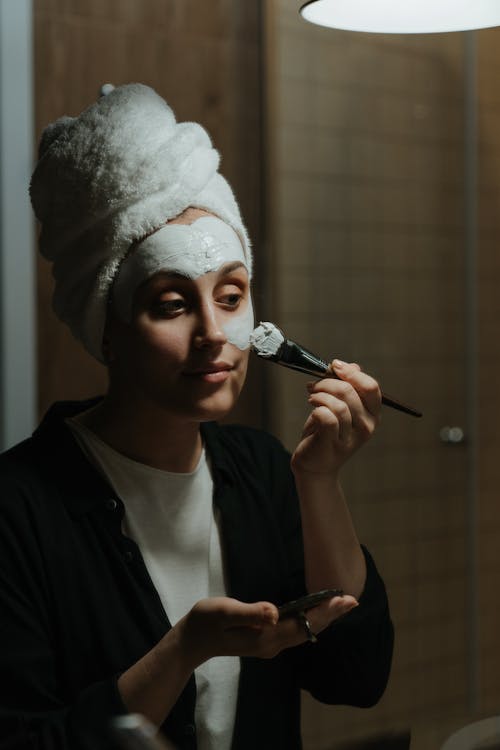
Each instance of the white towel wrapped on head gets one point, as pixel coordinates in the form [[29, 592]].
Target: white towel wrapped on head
[[108, 178]]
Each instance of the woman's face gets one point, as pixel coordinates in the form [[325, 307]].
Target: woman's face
[[185, 348]]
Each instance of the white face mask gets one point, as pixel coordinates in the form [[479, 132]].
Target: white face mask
[[190, 250]]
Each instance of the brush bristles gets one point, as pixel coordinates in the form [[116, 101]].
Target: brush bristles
[[266, 340]]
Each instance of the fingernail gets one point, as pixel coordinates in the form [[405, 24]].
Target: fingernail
[[339, 364]]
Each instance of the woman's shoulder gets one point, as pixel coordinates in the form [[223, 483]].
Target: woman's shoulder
[[18, 464], [37, 466], [21, 487], [23, 460]]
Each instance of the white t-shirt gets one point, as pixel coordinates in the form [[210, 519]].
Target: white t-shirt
[[172, 519]]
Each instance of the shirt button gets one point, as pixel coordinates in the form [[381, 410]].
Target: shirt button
[[189, 730], [111, 503], [128, 555]]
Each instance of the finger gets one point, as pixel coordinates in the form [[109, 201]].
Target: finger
[[344, 392], [342, 389], [325, 423], [232, 611], [338, 606], [310, 426], [331, 366], [267, 641], [366, 386], [257, 614], [342, 424], [321, 616]]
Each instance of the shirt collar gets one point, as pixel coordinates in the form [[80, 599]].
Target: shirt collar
[[220, 461], [82, 487]]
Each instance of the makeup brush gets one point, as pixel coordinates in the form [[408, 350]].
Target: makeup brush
[[269, 342]]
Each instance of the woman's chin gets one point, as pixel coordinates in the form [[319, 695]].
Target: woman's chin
[[214, 412], [218, 405]]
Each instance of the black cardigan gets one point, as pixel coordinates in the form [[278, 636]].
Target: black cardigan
[[78, 606]]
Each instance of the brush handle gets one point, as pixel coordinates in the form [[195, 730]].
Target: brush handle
[[392, 402], [298, 358]]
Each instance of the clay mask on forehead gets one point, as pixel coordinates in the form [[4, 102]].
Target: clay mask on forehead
[[190, 250]]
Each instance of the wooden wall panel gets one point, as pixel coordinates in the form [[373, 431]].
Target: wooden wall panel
[[204, 58]]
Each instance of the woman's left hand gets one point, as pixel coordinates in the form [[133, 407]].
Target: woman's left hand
[[345, 412]]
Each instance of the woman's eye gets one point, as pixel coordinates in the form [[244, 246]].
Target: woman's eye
[[232, 300], [166, 307], [230, 296]]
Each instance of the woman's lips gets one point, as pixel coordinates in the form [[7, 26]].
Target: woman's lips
[[216, 373]]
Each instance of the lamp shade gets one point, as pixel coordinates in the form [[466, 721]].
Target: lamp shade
[[403, 16]]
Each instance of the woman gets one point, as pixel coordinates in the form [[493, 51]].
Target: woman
[[144, 547]]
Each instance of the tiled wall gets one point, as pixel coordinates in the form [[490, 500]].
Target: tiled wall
[[204, 58], [488, 62], [367, 229]]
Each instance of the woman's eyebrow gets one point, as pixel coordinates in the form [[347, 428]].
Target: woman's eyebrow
[[230, 267], [164, 276]]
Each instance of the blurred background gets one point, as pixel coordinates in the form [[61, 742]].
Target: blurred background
[[367, 168]]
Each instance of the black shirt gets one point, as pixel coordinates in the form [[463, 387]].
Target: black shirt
[[78, 606]]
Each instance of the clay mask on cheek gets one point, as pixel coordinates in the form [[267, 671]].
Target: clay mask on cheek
[[190, 250], [240, 327]]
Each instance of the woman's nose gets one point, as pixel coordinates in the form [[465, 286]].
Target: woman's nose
[[209, 330]]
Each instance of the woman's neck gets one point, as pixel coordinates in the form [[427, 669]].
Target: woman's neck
[[146, 435]]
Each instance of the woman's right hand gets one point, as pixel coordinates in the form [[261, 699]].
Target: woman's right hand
[[219, 626], [222, 626]]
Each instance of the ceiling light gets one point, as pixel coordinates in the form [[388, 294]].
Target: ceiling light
[[403, 16]]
